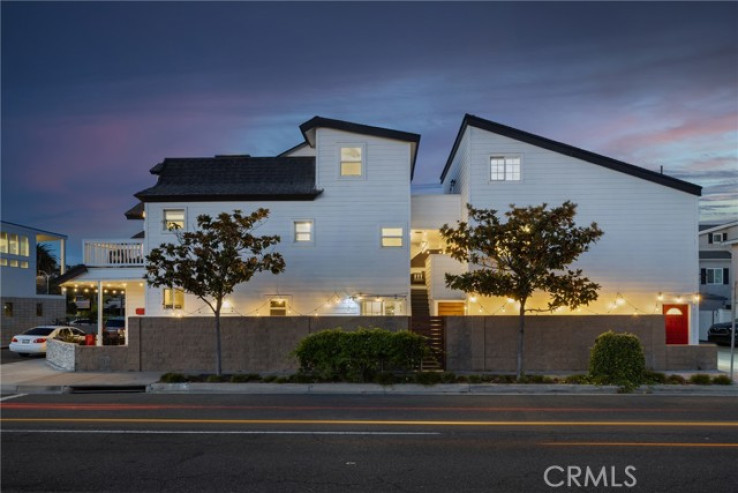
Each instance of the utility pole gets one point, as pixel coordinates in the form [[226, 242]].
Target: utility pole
[[732, 331]]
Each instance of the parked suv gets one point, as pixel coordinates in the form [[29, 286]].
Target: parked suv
[[720, 333]]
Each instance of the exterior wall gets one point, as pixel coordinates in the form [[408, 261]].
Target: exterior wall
[[16, 281], [650, 241], [433, 211], [25, 317], [345, 259], [437, 266], [561, 344]]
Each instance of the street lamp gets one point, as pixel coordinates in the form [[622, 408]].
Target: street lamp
[[46, 276]]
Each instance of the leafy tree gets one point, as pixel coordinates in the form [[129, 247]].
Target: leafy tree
[[212, 260], [46, 268], [529, 252]]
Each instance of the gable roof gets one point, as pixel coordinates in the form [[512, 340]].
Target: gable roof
[[232, 178], [711, 228], [567, 150], [308, 131]]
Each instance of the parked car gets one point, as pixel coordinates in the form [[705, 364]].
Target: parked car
[[33, 341], [720, 333], [115, 325]]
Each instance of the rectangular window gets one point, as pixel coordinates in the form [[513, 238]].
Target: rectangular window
[[14, 263], [174, 219], [13, 244], [39, 309], [8, 309], [392, 237], [714, 276], [23, 264], [352, 161], [371, 307], [3, 242], [303, 231], [4, 262], [278, 307], [504, 168], [24, 246], [173, 299]]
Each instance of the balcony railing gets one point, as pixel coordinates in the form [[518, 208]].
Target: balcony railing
[[113, 253]]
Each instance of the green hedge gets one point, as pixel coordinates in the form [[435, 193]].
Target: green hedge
[[618, 359], [360, 355]]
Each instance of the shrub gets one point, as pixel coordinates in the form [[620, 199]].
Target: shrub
[[217, 378], [700, 379], [269, 379], [617, 359], [384, 378], [577, 379], [248, 377], [676, 380], [654, 377], [360, 355], [722, 380], [173, 378], [427, 378], [475, 379]]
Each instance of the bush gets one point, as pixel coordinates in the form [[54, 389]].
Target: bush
[[244, 378], [427, 378], [360, 355], [173, 378], [617, 359], [217, 378], [722, 380], [676, 380], [577, 379], [700, 379], [654, 377]]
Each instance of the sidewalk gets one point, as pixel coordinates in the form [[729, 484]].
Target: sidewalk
[[36, 376]]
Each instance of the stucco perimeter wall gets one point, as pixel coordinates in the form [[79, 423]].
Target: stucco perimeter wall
[[248, 344], [561, 343]]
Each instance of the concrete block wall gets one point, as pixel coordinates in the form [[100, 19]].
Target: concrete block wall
[[24, 315]]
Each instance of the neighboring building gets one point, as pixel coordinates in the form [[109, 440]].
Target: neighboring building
[[718, 245], [356, 242], [22, 306]]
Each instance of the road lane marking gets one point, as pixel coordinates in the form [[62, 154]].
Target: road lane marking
[[247, 432], [679, 424], [641, 444], [14, 396]]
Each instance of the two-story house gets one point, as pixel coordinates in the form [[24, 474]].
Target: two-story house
[[718, 251], [356, 242]]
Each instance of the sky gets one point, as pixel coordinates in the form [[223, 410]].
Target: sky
[[94, 94]]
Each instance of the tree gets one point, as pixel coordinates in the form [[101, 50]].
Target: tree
[[529, 252], [212, 260], [46, 267]]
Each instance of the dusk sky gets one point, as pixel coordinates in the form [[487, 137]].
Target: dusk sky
[[95, 94]]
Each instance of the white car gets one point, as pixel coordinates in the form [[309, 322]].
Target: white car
[[33, 341]]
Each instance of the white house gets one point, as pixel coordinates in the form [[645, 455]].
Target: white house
[[24, 305], [356, 242], [718, 247]]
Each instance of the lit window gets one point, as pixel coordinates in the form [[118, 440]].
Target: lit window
[[173, 299], [351, 161], [278, 307], [3, 242], [303, 231], [392, 237], [504, 168], [174, 219], [371, 307], [24, 246], [8, 309], [14, 263], [23, 265], [13, 244], [3, 262]]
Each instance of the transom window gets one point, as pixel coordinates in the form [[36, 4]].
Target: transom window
[[352, 163], [504, 168], [174, 219], [173, 299], [303, 231], [392, 237]]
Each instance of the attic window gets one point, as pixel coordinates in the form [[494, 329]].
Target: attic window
[[504, 168], [352, 164]]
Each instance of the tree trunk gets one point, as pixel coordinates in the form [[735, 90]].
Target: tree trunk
[[218, 365], [521, 332]]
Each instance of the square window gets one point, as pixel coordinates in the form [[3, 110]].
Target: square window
[[14, 263], [392, 237], [352, 161], [173, 299], [3, 262], [174, 219], [278, 307], [303, 231], [23, 265], [504, 168]]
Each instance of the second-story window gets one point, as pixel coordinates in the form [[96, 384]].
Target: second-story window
[[352, 163], [392, 237], [13, 244], [174, 219], [504, 168], [24, 248], [303, 231], [3, 242]]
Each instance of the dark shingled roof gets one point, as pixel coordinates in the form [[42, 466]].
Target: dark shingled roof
[[233, 178], [71, 274], [567, 150], [136, 212], [715, 255]]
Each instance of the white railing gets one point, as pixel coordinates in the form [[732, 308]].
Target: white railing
[[113, 253]]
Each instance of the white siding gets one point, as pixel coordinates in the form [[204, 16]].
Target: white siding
[[433, 211], [346, 257]]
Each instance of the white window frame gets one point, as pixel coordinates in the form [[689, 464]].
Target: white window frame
[[510, 171], [174, 293], [389, 233], [165, 223], [718, 237], [714, 272], [341, 161], [13, 244], [298, 237]]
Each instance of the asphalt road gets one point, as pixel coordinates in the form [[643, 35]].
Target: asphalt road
[[139, 442]]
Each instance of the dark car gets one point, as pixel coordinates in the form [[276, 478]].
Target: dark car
[[115, 325], [720, 333]]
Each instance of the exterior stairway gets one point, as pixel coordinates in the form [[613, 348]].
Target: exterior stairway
[[432, 328]]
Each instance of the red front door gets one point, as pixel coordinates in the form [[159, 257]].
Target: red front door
[[677, 324]]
